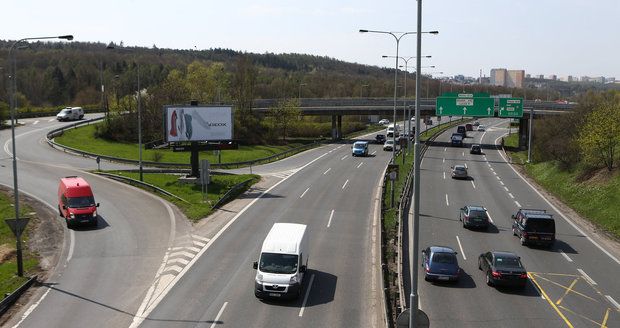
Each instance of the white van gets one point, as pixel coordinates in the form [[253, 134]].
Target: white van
[[70, 114], [391, 129], [283, 262]]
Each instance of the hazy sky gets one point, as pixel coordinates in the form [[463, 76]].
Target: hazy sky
[[563, 37]]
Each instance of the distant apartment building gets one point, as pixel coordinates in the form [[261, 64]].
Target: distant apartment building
[[540, 76], [507, 78], [553, 77]]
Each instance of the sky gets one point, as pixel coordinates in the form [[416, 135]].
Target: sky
[[561, 37]]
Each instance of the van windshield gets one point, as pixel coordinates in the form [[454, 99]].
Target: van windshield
[[278, 263], [540, 225], [86, 201], [359, 146]]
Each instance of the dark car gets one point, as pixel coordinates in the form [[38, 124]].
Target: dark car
[[380, 139], [440, 264], [475, 149], [503, 269], [456, 140], [461, 130], [459, 172], [534, 227], [474, 216], [469, 127]]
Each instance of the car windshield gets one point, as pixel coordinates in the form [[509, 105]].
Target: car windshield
[[278, 263], [358, 146], [540, 225], [508, 262], [65, 111], [478, 214], [86, 201], [447, 258], [459, 168], [389, 142]]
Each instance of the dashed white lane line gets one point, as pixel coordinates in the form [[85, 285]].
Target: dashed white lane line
[[461, 248], [52, 120], [219, 314], [511, 195], [343, 157], [501, 182], [489, 164], [490, 218], [463, 154], [586, 277], [472, 183], [362, 163], [35, 123], [495, 173], [329, 169], [443, 160], [305, 191], [517, 203], [444, 175], [329, 222], [612, 301], [466, 166], [566, 256], [498, 178], [303, 305], [445, 148], [447, 202], [345, 184], [506, 188], [374, 152]]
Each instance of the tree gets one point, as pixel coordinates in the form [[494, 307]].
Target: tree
[[599, 137], [283, 115]]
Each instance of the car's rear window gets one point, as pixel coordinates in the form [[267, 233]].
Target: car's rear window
[[446, 258], [478, 214], [540, 225], [508, 262]]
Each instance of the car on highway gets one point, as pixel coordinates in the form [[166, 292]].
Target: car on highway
[[359, 148], [440, 264], [534, 227], [456, 140], [76, 202], [388, 145], [481, 127], [380, 139], [461, 130], [469, 127], [503, 269], [474, 216], [70, 114], [459, 172], [476, 123], [384, 121], [475, 149]]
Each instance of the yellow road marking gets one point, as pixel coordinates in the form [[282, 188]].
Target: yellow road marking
[[604, 324], [557, 274], [550, 302], [567, 291], [576, 292], [583, 317]]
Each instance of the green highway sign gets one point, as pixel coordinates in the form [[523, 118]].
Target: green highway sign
[[465, 105], [510, 107]]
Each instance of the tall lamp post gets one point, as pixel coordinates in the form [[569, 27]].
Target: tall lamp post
[[397, 36], [20, 268], [300, 85]]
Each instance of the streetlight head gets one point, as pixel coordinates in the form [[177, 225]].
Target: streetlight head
[[66, 37], [384, 56], [363, 31], [428, 56], [434, 32], [432, 66]]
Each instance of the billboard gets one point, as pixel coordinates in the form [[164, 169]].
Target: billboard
[[194, 123]]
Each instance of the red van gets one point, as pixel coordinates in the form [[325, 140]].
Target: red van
[[76, 202]]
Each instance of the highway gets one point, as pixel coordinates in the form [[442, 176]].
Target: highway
[[574, 284]]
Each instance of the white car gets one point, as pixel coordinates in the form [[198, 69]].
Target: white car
[[384, 121], [388, 145], [481, 127]]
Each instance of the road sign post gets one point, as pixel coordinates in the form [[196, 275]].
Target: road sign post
[[18, 226], [393, 174]]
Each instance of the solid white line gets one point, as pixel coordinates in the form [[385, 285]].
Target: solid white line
[[444, 175], [31, 308], [490, 218], [345, 184], [461, 248], [586, 277], [343, 157], [511, 195], [501, 182], [615, 259], [219, 314], [303, 305], [329, 169], [447, 203], [612, 301], [566, 256], [517, 203], [71, 245], [302, 195], [362, 163], [331, 215], [472, 183]]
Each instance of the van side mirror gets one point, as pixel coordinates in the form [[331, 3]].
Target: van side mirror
[[255, 265], [97, 205], [302, 268]]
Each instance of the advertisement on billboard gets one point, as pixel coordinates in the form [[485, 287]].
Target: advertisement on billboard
[[194, 123]]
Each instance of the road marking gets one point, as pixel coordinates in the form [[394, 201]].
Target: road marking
[[343, 157], [331, 215], [71, 245], [501, 182], [32, 307], [303, 305], [612, 301], [495, 173], [472, 183], [362, 163], [586, 277], [447, 203], [506, 188], [444, 175], [461, 248], [345, 184], [544, 295], [498, 178], [329, 169], [566, 256], [52, 120], [443, 160], [445, 148], [463, 154], [568, 290], [374, 152], [511, 195], [219, 314], [466, 166], [517, 203], [490, 218], [302, 195], [35, 123], [489, 164], [490, 168], [615, 259], [604, 323]]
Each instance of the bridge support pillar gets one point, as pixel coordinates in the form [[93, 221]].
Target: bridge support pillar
[[334, 129], [523, 133], [339, 128]]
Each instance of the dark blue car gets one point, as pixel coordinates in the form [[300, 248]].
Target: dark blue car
[[440, 264]]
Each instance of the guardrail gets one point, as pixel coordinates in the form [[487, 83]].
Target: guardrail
[[6, 302]]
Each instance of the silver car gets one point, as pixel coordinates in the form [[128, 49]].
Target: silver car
[[459, 172]]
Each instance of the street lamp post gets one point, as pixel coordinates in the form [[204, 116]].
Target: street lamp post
[[397, 36], [20, 268], [300, 85]]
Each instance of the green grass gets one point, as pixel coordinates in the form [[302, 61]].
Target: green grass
[[83, 138], [9, 281], [196, 208]]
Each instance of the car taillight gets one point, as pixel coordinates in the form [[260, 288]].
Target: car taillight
[[523, 276], [427, 269], [524, 234], [496, 274]]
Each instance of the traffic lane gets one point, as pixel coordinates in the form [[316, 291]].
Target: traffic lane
[[108, 267]]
